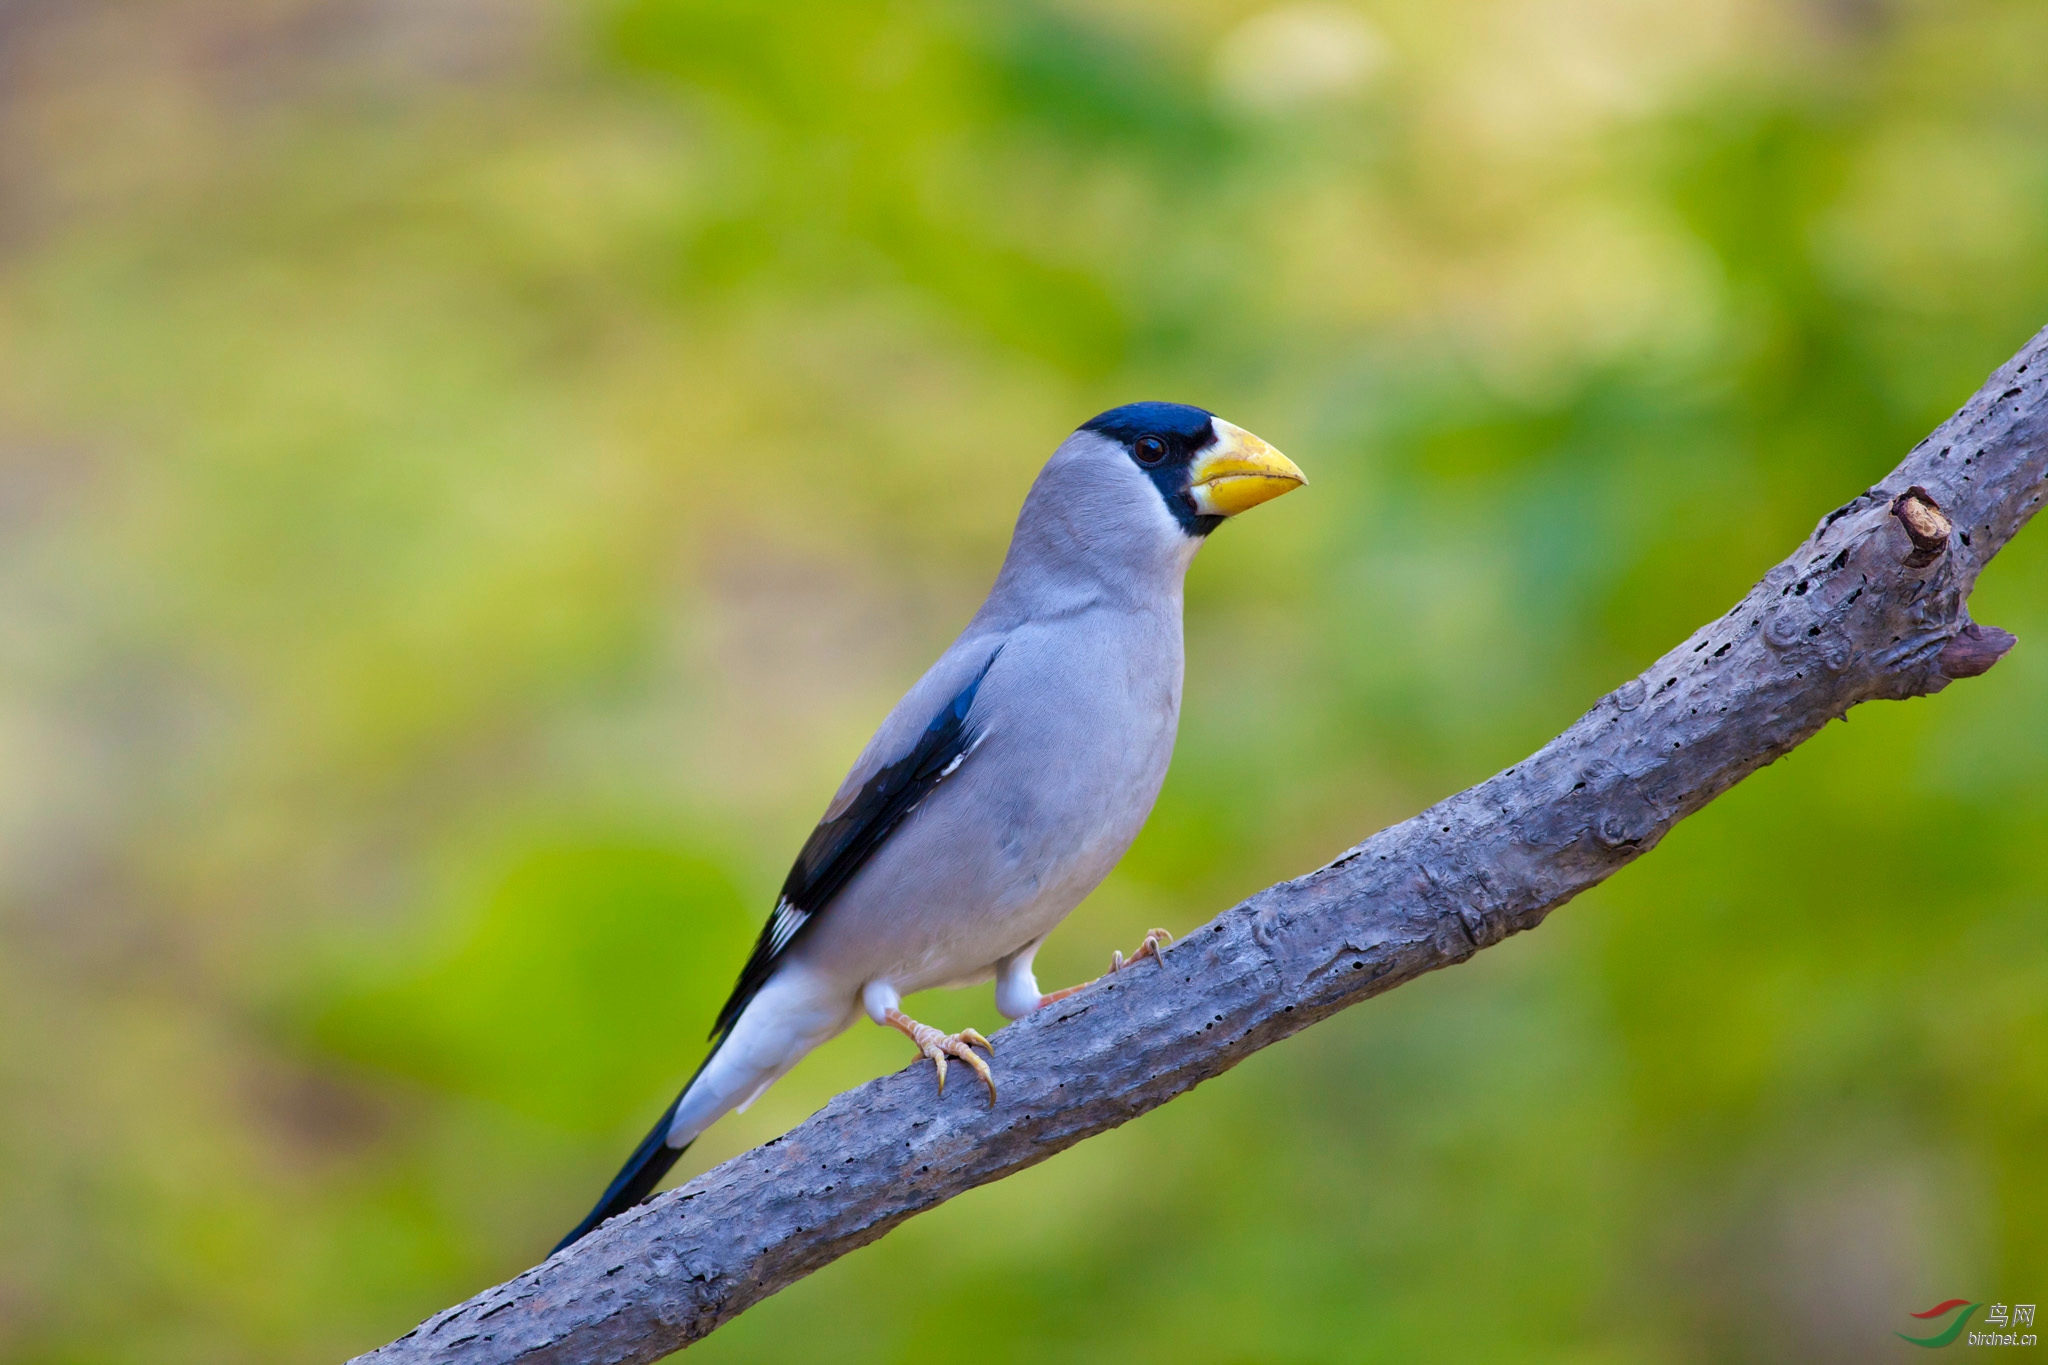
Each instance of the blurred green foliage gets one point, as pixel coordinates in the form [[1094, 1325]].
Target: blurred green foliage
[[472, 472]]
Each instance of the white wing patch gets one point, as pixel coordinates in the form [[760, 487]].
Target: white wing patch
[[788, 919], [961, 757]]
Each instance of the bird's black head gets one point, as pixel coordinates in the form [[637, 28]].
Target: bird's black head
[[1163, 440]]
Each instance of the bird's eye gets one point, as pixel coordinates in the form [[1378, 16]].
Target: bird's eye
[[1150, 450]]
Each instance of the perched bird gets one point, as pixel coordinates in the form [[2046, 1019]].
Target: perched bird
[[1004, 786]]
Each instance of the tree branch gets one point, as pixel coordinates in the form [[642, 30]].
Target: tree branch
[[1871, 606]]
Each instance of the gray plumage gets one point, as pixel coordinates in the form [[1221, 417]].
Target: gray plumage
[[989, 823]]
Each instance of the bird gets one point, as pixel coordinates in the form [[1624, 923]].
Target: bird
[[1005, 784]]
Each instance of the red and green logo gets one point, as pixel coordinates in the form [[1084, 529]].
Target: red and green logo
[[1948, 1333]]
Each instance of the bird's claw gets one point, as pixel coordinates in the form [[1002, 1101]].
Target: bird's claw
[[1154, 944], [1153, 947], [939, 1046]]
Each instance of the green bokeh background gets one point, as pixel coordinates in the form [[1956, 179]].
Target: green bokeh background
[[472, 472]]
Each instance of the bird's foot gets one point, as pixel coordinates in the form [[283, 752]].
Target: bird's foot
[[1154, 944], [939, 1046]]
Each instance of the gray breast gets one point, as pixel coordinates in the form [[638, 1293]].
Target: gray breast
[[1077, 721]]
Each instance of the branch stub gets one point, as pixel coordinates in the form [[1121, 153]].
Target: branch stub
[[1926, 524]]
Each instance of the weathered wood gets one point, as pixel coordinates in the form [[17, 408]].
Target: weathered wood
[[1872, 606]]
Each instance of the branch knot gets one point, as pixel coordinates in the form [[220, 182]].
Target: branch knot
[[1926, 524], [1973, 649]]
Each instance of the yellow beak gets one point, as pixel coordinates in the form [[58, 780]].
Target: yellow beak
[[1238, 472]]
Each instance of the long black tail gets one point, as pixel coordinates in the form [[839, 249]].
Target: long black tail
[[643, 1170]]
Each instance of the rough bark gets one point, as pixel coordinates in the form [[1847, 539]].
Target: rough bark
[[1872, 606]]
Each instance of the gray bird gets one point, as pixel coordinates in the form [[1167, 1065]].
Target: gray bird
[[1005, 784]]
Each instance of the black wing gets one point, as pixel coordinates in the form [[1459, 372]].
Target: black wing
[[841, 845]]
